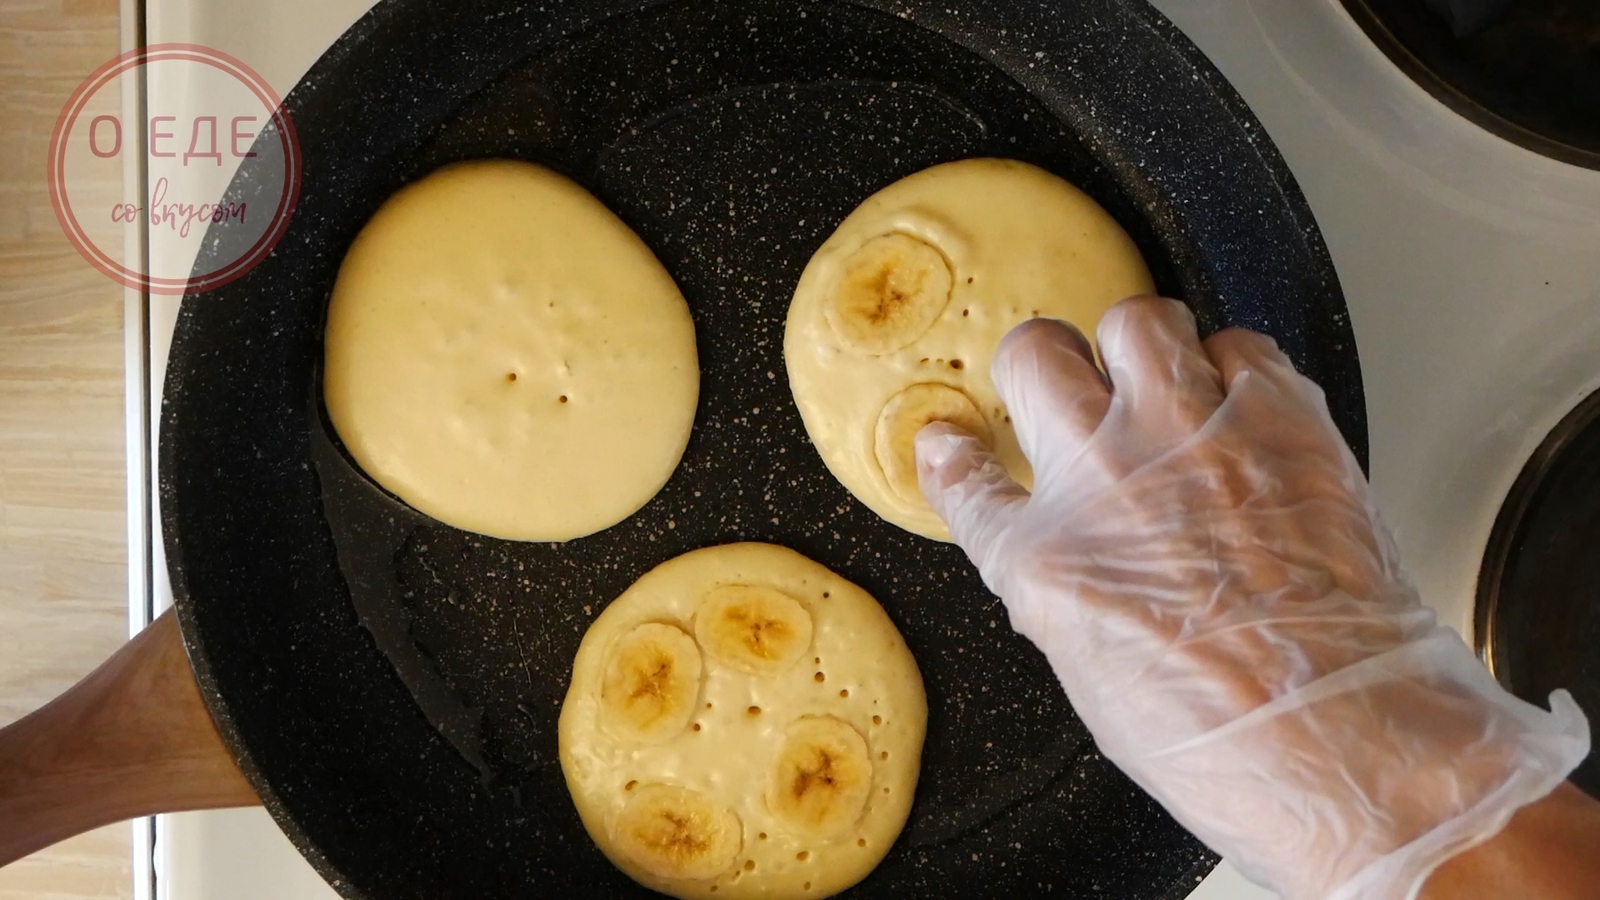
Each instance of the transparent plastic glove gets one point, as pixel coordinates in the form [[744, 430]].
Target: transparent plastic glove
[[1201, 564]]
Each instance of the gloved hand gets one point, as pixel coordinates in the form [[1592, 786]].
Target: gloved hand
[[1201, 563]]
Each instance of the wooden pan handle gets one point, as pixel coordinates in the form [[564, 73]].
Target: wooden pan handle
[[131, 739]]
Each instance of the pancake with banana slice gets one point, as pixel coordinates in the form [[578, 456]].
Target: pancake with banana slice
[[742, 722], [896, 317]]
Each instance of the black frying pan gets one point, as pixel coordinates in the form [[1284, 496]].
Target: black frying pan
[[390, 685]]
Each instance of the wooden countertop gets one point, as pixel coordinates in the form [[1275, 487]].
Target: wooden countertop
[[63, 593]]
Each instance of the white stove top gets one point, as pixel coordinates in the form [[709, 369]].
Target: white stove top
[[1471, 268]]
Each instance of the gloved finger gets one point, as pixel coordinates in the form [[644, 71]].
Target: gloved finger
[[1323, 528], [1280, 390], [969, 489], [1158, 370], [1237, 350], [1044, 371], [1286, 411]]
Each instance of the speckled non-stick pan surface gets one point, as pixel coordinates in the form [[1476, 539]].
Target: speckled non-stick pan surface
[[390, 685]]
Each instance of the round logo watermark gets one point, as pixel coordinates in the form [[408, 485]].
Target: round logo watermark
[[213, 150]]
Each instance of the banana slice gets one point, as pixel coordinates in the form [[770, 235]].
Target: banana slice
[[673, 832], [904, 415], [890, 291], [754, 629], [820, 779], [651, 683]]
